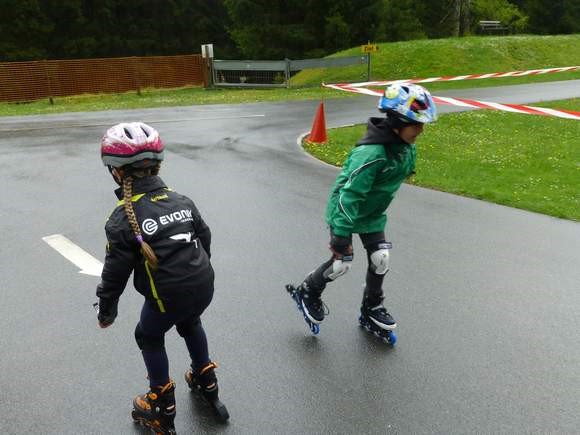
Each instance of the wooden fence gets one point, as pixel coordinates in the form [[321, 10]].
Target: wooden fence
[[29, 81]]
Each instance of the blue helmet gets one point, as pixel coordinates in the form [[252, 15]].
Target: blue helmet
[[409, 103]]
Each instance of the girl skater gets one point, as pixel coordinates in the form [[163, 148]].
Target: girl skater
[[368, 182], [160, 236]]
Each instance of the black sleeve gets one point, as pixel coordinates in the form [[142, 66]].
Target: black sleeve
[[204, 234], [201, 230], [120, 261]]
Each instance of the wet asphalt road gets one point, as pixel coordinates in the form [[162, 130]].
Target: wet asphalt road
[[486, 296]]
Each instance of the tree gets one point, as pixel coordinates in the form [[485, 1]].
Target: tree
[[556, 16], [368, 22], [461, 17], [23, 30], [399, 21], [273, 29], [251, 26], [458, 17], [501, 10], [67, 37], [255, 29], [434, 17], [336, 33]]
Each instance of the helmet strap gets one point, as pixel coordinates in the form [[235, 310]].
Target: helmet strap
[[396, 121], [116, 173]]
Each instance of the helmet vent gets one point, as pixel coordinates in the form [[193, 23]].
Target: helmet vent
[[410, 103], [128, 133], [131, 143], [145, 131]]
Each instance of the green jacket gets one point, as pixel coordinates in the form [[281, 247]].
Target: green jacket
[[372, 174]]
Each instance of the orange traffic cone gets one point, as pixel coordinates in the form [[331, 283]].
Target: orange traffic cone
[[318, 131]]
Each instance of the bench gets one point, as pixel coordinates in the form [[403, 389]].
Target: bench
[[490, 26]]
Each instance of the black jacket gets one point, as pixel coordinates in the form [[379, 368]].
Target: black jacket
[[173, 227]]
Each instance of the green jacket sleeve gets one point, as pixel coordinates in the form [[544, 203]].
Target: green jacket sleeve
[[359, 177]]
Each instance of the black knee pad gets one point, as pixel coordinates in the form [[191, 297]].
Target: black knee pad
[[148, 343], [188, 329]]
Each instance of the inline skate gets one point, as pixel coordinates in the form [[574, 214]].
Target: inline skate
[[376, 319], [204, 382], [309, 304], [156, 409]]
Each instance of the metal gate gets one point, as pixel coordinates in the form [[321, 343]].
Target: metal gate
[[272, 73]]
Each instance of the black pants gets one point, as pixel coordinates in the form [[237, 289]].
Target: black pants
[[151, 329], [317, 281]]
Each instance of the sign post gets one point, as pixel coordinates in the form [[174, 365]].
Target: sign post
[[207, 55], [369, 48]]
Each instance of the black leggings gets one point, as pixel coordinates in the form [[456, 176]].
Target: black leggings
[[317, 281], [150, 336]]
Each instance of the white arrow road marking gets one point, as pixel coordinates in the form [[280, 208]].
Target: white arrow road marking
[[88, 264]]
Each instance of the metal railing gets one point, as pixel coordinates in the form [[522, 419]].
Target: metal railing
[[272, 73]]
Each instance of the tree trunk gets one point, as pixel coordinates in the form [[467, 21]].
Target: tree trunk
[[465, 17], [456, 17]]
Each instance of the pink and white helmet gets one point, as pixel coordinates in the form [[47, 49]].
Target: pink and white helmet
[[129, 143]]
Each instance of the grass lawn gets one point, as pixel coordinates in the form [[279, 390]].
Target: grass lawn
[[523, 161], [457, 56]]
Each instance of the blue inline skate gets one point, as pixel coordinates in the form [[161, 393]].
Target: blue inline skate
[[377, 320], [309, 304]]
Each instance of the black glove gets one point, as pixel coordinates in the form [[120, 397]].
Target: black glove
[[341, 246], [107, 311]]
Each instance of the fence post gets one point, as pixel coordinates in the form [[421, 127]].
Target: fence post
[[48, 81], [214, 77], [287, 73], [209, 74], [136, 72]]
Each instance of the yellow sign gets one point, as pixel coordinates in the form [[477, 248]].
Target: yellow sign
[[369, 48]]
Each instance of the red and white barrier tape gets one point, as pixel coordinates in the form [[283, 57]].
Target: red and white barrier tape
[[528, 110], [465, 77], [462, 102]]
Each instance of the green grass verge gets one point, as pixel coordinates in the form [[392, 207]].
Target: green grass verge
[[398, 60], [457, 56], [160, 98], [523, 161]]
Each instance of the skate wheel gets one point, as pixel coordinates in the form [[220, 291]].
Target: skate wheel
[[314, 328], [391, 337]]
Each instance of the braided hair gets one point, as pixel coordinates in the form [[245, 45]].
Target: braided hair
[[146, 249]]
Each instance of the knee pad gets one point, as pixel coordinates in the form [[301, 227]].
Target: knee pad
[[188, 329], [337, 268], [379, 259], [149, 343]]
